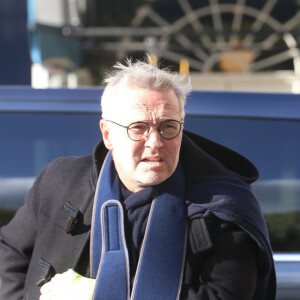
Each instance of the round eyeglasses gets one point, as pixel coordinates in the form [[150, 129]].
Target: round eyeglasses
[[137, 131]]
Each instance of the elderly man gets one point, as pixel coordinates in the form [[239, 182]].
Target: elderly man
[[155, 213]]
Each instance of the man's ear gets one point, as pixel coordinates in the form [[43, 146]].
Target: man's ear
[[105, 129]]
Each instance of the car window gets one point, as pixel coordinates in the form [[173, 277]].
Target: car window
[[274, 147], [38, 138], [29, 141]]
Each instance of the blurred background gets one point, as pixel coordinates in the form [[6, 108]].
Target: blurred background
[[244, 45]]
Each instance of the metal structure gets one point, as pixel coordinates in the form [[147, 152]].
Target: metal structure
[[243, 35]]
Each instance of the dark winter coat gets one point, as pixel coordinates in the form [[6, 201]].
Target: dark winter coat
[[228, 251]]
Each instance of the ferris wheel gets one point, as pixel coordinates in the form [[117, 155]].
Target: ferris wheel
[[232, 35]]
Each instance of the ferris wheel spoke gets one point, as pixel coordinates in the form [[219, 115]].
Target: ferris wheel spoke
[[217, 20], [186, 43], [157, 19], [141, 15], [238, 16], [275, 59], [259, 20], [270, 41], [267, 44], [190, 14], [263, 15], [292, 22], [195, 22]]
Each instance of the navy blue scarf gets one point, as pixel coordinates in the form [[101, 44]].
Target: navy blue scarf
[[160, 267]]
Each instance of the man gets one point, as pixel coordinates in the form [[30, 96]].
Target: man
[[155, 213]]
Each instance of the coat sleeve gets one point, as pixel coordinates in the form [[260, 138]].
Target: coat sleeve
[[226, 270], [16, 245]]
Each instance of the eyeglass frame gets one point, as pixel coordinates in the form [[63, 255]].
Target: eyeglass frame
[[149, 127]]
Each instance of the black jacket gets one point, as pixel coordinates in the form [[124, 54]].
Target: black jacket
[[227, 257]]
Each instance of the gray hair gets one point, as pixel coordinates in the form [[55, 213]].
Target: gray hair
[[143, 75]]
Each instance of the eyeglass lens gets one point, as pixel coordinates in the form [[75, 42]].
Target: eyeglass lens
[[167, 129]]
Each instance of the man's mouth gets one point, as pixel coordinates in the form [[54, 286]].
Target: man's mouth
[[152, 159]]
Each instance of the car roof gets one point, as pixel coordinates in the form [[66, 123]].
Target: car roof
[[199, 103]]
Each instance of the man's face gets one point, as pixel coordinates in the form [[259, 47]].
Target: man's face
[[152, 160]]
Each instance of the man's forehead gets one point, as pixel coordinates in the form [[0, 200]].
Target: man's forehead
[[149, 106], [137, 101], [146, 96]]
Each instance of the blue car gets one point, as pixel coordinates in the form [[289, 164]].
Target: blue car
[[36, 126]]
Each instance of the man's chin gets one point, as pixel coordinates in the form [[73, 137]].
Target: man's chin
[[152, 179]]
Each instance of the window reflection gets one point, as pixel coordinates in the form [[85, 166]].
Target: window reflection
[[29, 141], [274, 147]]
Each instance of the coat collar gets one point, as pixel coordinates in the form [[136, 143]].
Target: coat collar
[[203, 157]]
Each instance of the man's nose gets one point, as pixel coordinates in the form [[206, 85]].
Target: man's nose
[[154, 139]]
